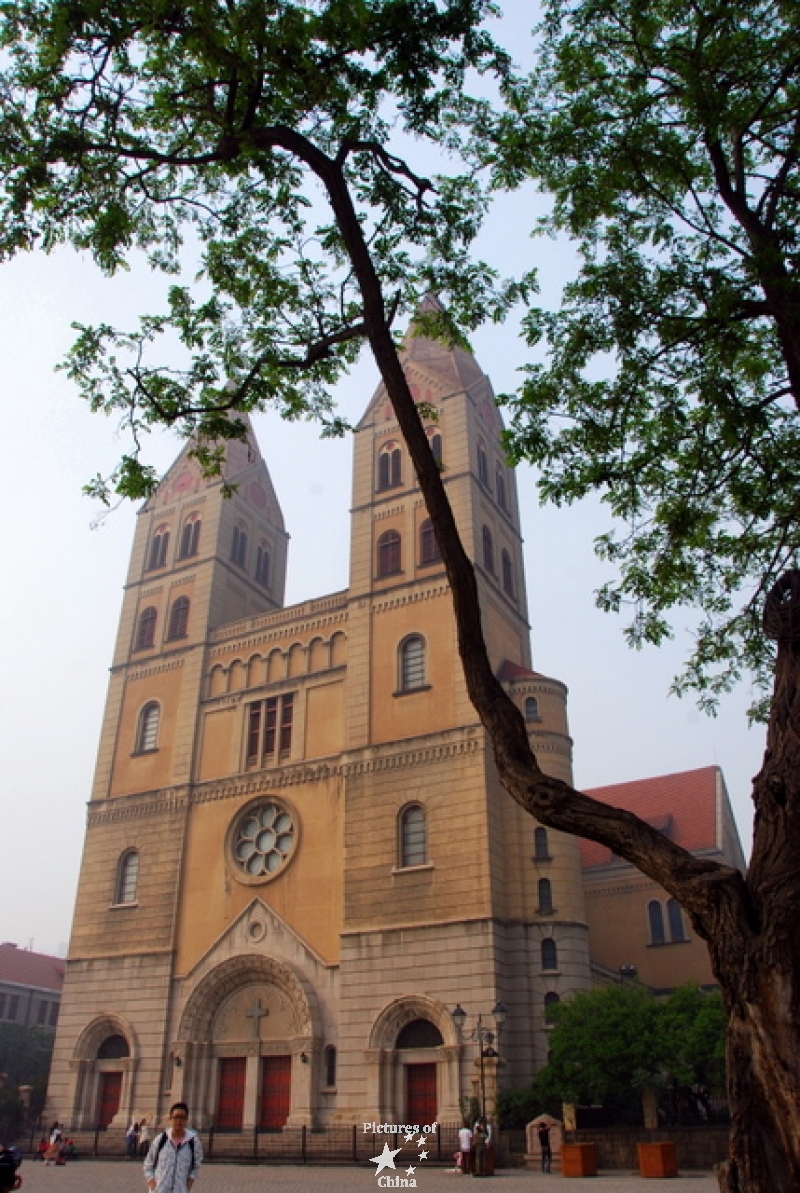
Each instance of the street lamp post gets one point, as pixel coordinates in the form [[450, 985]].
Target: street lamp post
[[484, 1037]]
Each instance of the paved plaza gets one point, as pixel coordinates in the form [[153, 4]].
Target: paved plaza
[[102, 1176]]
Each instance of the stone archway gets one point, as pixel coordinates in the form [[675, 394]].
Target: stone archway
[[390, 1065], [248, 1047], [102, 1076]]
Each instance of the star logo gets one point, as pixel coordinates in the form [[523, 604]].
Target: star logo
[[409, 1136], [409, 1170], [385, 1159], [423, 1155], [421, 1140]]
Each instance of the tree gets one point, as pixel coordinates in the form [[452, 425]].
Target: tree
[[610, 1044], [262, 132], [25, 1054]]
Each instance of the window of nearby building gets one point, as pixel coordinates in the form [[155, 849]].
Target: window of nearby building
[[655, 916], [42, 1013], [178, 618], [483, 464], [541, 849], [330, 1066], [13, 1007], [390, 467], [190, 537], [412, 663], [428, 544], [545, 897], [147, 735], [389, 553], [239, 545], [158, 548], [53, 1014], [675, 920], [2, 1006], [500, 488], [262, 565], [488, 549], [412, 841], [146, 630], [127, 877], [269, 730], [549, 953], [531, 709], [508, 573]]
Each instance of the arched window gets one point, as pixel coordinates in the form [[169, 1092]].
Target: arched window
[[483, 464], [412, 842], [419, 1033], [389, 467], [549, 953], [551, 1000], [545, 897], [113, 1048], [178, 618], [389, 553], [541, 850], [146, 629], [488, 550], [330, 1066], [158, 548], [508, 573], [412, 663], [531, 708], [190, 537], [239, 545], [127, 877], [147, 736], [500, 488], [262, 565], [428, 543], [655, 916], [675, 919], [435, 441]]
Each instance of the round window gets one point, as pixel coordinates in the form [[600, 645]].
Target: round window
[[262, 840]]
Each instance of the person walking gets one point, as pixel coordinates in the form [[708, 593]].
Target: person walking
[[465, 1147], [544, 1143], [479, 1148], [144, 1138], [174, 1156]]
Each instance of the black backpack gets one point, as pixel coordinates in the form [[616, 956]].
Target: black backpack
[[160, 1147], [8, 1170]]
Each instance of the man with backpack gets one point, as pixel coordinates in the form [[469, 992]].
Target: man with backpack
[[175, 1155], [9, 1163]]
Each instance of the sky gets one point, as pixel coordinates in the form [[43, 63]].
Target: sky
[[64, 570]]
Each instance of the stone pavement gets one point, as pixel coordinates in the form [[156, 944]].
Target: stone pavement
[[103, 1176]]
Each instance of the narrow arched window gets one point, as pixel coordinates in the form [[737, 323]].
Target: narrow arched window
[[190, 537], [428, 543], [531, 708], [389, 553], [412, 663], [675, 919], [127, 877], [500, 488], [541, 849], [545, 897], [655, 916], [389, 467], [412, 842], [147, 735], [549, 953], [158, 548], [146, 629], [435, 441], [551, 1000], [330, 1066], [488, 550], [179, 618], [239, 545], [508, 573], [483, 464], [262, 565]]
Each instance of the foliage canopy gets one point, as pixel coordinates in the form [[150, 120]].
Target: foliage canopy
[[669, 136]]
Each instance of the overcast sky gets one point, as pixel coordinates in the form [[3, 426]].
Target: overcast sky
[[63, 578]]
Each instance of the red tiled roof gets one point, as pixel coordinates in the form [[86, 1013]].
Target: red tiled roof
[[25, 968], [683, 805], [509, 671]]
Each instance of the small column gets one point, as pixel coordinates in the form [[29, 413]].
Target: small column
[[251, 1082], [302, 1085]]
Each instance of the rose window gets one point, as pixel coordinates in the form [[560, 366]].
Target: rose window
[[263, 839]]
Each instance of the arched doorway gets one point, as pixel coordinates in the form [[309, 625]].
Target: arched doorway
[[420, 1075], [103, 1067], [414, 1063], [249, 1051]]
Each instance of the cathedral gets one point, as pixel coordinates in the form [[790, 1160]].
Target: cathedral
[[299, 861]]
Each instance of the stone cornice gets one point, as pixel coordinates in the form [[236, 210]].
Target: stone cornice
[[409, 597], [134, 807], [291, 629], [267, 622], [136, 671]]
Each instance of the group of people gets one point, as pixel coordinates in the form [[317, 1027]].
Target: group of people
[[137, 1140], [55, 1147], [474, 1143]]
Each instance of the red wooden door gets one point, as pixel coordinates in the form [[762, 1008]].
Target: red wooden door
[[421, 1094], [108, 1101], [230, 1100], [276, 1091]]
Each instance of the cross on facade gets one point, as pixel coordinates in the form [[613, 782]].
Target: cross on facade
[[257, 1013]]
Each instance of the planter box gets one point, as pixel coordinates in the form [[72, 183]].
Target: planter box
[[578, 1159], [657, 1159]]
